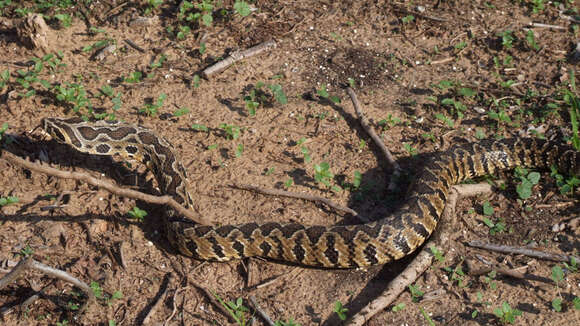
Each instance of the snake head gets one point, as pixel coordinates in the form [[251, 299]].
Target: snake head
[[55, 129], [60, 129]]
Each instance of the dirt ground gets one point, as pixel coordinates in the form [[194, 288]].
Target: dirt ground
[[403, 60]]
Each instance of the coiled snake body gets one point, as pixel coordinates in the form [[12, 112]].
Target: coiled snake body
[[385, 240]]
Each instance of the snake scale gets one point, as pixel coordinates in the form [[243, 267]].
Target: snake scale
[[350, 246]]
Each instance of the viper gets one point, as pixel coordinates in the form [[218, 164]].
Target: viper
[[343, 246]]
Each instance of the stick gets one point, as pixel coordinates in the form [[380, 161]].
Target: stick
[[30, 263], [523, 251], [547, 26], [174, 311], [237, 56], [153, 309], [134, 46], [261, 312], [283, 193], [365, 124], [160, 200], [214, 301]]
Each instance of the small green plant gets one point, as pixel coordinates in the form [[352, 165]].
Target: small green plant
[[456, 274], [137, 213], [506, 314], [537, 6], [3, 138], [4, 78], [323, 175], [416, 294], [507, 39], [115, 98], [74, 95], [134, 77], [531, 41], [322, 92], [460, 46], [410, 149], [576, 303], [26, 251], [573, 266], [407, 19], [151, 109], [487, 208], [288, 183], [100, 293], [7, 200], [239, 150], [279, 94], [557, 277], [389, 122], [490, 279], [236, 309], [437, 254], [527, 182], [232, 131], [340, 310], [98, 45], [199, 127], [181, 111], [449, 122], [566, 185], [501, 117], [152, 5], [430, 321], [242, 8], [196, 81], [572, 100], [398, 307], [495, 227]]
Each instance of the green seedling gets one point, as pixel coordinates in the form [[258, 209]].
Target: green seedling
[[137, 213], [236, 309], [232, 131], [416, 294], [340, 310], [506, 314], [242, 8], [8, 200], [151, 109]]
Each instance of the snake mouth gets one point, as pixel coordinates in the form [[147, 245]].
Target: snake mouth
[[52, 130]]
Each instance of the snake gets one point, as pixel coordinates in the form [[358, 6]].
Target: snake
[[387, 239]]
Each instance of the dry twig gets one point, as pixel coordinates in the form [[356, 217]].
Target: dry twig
[[160, 200], [547, 26], [160, 299], [213, 300], [260, 311], [30, 263], [283, 193], [237, 56], [523, 251], [377, 140]]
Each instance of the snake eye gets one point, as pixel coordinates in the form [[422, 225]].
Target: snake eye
[[55, 133]]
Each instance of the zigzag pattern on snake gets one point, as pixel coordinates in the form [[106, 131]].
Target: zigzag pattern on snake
[[385, 240]]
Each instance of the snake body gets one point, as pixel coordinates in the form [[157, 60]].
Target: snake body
[[350, 246]]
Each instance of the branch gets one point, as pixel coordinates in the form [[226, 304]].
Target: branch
[[237, 56], [160, 200], [283, 193], [30, 263], [364, 122], [523, 251]]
